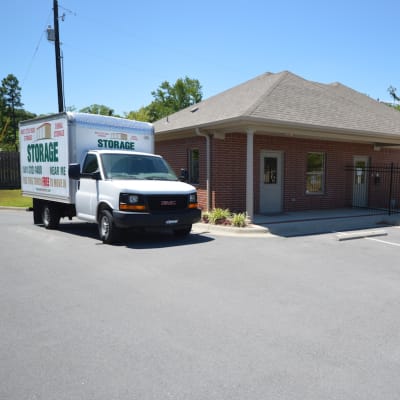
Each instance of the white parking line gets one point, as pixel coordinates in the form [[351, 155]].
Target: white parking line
[[384, 241]]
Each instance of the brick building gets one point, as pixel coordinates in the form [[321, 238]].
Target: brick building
[[281, 143]]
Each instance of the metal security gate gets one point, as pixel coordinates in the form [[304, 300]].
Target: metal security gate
[[375, 187]]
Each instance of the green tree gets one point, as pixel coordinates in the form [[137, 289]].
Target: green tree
[[10, 111], [98, 109], [140, 115], [169, 99], [172, 98], [393, 92]]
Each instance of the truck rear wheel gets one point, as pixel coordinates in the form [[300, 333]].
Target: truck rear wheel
[[37, 211], [50, 216], [108, 232]]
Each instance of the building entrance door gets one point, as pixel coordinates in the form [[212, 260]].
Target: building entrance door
[[360, 181], [271, 182]]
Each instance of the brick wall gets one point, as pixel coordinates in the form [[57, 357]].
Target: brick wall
[[229, 172], [228, 181], [338, 183], [176, 152]]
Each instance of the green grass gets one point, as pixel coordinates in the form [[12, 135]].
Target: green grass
[[13, 198]]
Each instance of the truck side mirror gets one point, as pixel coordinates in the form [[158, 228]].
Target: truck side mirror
[[74, 171], [96, 175], [184, 175]]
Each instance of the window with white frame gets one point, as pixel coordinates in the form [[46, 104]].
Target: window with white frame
[[315, 175]]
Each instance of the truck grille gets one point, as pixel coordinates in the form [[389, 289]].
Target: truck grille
[[165, 202]]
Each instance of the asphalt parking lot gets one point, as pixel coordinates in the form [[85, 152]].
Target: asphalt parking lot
[[207, 317]]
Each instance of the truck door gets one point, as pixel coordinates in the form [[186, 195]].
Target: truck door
[[87, 194]]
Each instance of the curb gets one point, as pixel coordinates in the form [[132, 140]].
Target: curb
[[230, 230]]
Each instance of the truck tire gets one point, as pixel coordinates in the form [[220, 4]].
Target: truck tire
[[50, 216], [181, 232], [108, 232], [37, 212]]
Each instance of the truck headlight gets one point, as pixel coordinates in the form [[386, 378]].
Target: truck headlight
[[133, 198], [131, 202], [193, 200]]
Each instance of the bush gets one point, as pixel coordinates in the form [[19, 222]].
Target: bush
[[205, 217], [239, 220], [219, 216]]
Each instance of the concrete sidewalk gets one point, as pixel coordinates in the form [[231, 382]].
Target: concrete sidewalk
[[303, 223], [325, 221]]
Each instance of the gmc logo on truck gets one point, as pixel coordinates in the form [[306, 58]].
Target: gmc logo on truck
[[168, 203]]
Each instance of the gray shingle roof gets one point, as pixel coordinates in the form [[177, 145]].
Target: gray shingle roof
[[287, 99]]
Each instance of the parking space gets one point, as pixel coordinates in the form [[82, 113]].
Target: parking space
[[389, 235], [209, 316], [391, 239]]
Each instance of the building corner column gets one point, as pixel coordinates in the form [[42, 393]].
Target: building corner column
[[208, 163], [250, 175]]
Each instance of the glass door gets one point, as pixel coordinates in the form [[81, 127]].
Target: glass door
[[271, 182]]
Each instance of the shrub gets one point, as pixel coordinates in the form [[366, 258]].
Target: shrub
[[205, 217], [219, 216], [239, 220]]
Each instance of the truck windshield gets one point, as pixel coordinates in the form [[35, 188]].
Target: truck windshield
[[136, 166]]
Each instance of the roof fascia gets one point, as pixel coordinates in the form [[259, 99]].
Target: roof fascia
[[282, 128]]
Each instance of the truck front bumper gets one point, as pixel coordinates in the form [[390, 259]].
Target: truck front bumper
[[172, 220]]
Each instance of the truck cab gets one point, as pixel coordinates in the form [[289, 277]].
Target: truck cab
[[125, 189]]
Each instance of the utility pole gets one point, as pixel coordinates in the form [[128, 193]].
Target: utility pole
[[58, 58]]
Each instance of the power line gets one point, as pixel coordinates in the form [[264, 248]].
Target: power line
[[67, 10], [35, 52]]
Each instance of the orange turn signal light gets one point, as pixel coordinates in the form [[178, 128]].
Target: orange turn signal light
[[132, 207]]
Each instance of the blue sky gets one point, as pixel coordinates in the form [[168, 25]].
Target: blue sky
[[117, 52]]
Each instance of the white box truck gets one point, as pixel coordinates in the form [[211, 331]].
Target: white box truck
[[102, 170]]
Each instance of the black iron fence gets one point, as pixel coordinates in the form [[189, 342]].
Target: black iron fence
[[374, 187], [9, 170]]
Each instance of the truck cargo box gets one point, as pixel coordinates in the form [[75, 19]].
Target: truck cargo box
[[49, 144]]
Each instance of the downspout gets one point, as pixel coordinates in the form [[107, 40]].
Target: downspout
[[208, 162]]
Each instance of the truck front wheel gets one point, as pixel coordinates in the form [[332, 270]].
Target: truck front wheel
[[108, 232], [181, 232], [50, 216]]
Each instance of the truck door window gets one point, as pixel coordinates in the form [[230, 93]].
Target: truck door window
[[90, 165]]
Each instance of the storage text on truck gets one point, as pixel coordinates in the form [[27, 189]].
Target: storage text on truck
[[115, 144], [42, 152]]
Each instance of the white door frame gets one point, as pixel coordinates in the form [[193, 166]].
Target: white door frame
[[271, 183]]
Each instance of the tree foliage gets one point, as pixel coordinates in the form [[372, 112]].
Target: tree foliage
[[98, 109], [140, 115], [169, 99], [393, 92], [11, 112]]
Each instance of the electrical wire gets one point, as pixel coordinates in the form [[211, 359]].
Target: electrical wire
[[35, 52]]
